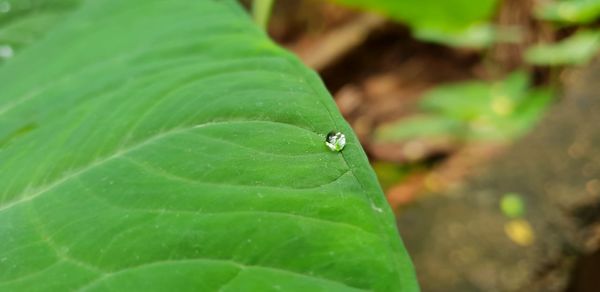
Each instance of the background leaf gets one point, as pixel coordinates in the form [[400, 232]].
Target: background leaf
[[474, 110], [577, 49], [570, 12], [453, 22], [169, 145]]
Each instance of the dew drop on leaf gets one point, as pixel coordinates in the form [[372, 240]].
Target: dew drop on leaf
[[335, 141]]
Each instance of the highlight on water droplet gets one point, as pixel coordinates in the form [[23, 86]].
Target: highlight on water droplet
[[335, 141]]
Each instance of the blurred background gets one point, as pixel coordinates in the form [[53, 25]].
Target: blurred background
[[480, 119]]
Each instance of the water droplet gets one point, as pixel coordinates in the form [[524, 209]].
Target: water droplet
[[6, 52], [335, 141], [4, 7]]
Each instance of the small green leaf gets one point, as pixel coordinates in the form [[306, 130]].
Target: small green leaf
[[418, 127], [475, 36], [570, 12], [577, 49], [453, 22]]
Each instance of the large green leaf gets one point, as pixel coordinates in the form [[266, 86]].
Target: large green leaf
[[169, 145]]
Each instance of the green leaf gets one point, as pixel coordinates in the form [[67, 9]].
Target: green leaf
[[577, 49], [475, 36], [419, 126], [390, 173], [170, 146], [570, 12], [453, 22], [474, 110]]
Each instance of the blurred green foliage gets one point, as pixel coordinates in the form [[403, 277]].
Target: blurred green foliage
[[512, 205], [570, 12], [577, 49], [419, 126], [474, 110], [475, 36], [454, 22], [390, 173]]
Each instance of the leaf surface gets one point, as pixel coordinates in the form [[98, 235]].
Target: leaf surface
[[169, 145]]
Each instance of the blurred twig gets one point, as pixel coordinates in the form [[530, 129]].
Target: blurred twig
[[340, 41]]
